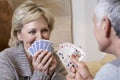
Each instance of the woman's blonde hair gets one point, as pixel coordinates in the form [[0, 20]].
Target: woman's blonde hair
[[27, 12]]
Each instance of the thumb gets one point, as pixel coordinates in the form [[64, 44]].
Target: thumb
[[74, 59]]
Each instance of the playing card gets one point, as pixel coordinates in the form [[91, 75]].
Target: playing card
[[41, 44], [34, 46], [64, 54], [37, 45], [31, 51], [66, 50], [50, 47], [46, 45]]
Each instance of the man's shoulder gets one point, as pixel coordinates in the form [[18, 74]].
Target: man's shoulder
[[115, 63], [109, 71], [111, 66]]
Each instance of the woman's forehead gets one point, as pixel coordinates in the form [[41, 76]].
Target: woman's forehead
[[40, 22]]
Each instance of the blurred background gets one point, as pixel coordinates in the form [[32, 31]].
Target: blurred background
[[73, 23]]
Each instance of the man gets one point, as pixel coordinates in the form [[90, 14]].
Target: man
[[107, 33]]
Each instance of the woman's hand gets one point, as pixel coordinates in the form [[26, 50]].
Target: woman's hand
[[42, 61], [53, 65], [80, 71]]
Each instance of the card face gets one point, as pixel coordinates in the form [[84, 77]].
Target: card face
[[66, 50], [40, 45]]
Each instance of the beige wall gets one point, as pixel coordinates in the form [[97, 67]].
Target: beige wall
[[58, 7], [83, 11]]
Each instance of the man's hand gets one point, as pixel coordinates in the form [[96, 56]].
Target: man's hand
[[80, 71]]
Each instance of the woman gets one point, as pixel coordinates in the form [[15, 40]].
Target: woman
[[30, 22]]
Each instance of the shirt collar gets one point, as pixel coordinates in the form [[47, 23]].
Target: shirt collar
[[22, 63]]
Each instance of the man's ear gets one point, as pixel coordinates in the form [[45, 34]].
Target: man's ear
[[19, 36], [107, 27]]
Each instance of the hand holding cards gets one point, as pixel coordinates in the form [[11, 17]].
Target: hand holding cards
[[40, 45], [66, 50]]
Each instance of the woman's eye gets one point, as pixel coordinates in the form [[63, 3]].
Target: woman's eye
[[45, 31], [32, 32]]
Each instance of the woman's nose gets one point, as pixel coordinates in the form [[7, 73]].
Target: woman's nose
[[38, 36]]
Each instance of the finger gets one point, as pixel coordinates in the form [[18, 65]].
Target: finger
[[78, 76], [53, 64], [72, 74], [46, 58], [41, 57], [69, 77], [72, 69], [48, 63], [36, 55], [76, 61], [47, 71], [74, 58], [45, 67], [40, 67], [52, 67]]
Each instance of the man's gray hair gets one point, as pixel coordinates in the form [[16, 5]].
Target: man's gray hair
[[110, 9]]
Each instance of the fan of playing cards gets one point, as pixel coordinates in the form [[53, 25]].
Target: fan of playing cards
[[66, 50], [40, 45]]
